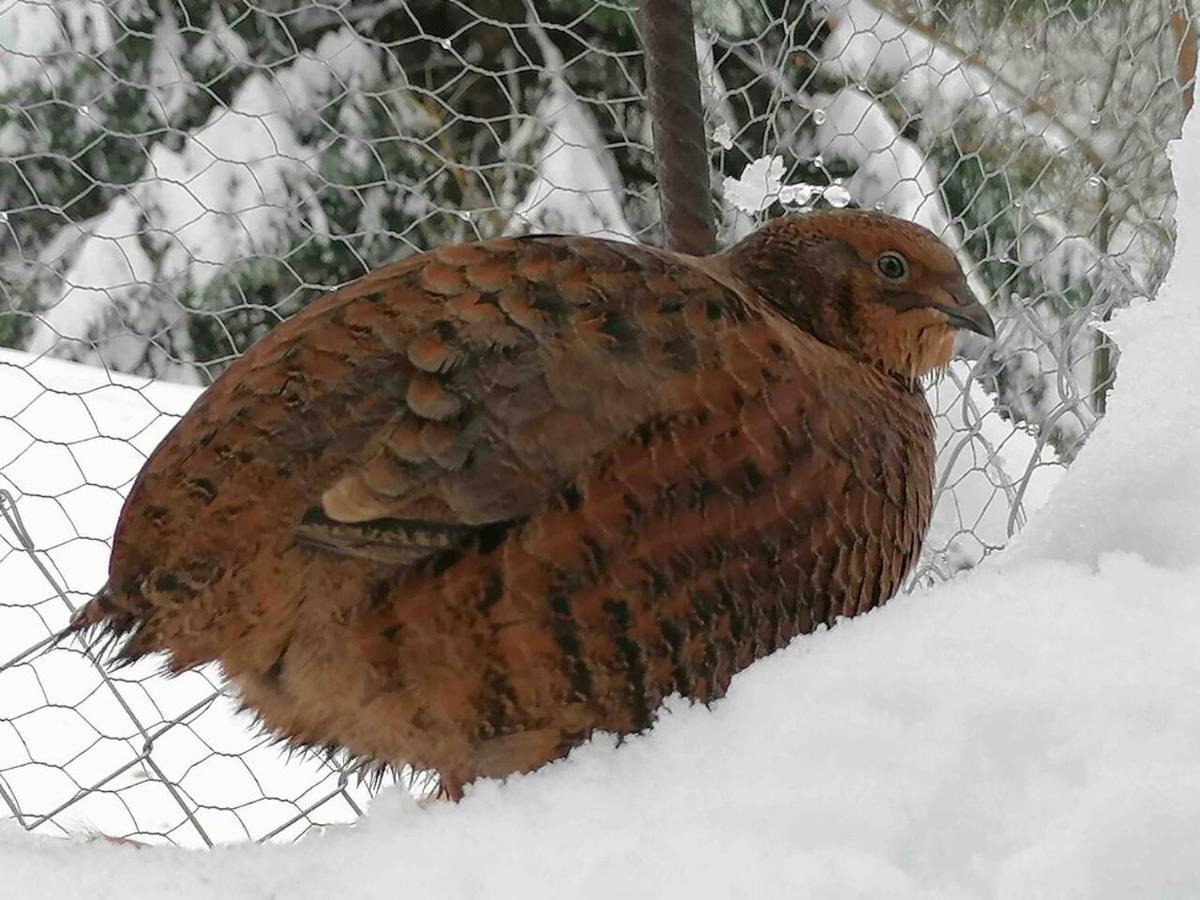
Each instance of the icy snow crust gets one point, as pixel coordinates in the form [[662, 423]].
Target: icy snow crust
[[1030, 729]]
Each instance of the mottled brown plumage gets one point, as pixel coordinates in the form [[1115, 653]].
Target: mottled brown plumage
[[487, 500]]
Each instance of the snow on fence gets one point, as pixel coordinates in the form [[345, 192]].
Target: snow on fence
[[176, 178]]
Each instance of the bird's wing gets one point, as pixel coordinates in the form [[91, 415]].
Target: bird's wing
[[508, 365], [433, 397]]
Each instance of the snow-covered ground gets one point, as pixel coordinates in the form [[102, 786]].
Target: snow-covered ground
[[1029, 729]]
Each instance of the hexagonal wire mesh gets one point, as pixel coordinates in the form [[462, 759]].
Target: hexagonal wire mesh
[[177, 177]]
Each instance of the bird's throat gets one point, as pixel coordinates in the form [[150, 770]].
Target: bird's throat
[[909, 344]]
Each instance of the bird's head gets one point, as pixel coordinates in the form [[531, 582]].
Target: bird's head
[[877, 287]]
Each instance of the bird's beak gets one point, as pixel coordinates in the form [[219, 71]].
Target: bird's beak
[[965, 311]]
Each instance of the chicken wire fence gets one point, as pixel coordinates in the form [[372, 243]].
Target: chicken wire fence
[[176, 177]]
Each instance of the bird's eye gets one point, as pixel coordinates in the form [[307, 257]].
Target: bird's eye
[[892, 266]]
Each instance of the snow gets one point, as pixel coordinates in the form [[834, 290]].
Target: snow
[[576, 187], [761, 184], [1022, 733], [891, 172], [1135, 486], [342, 59], [224, 196], [31, 30], [1028, 729], [27, 31], [723, 136], [990, 475], [220, 44], [72, 438], [867, 44], [217, 199]]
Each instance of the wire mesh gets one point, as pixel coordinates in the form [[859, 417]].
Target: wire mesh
[[177, 177]]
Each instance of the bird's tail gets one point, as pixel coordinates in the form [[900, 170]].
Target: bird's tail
[[104, 626]]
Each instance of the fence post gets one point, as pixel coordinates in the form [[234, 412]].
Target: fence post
[[677, 119]]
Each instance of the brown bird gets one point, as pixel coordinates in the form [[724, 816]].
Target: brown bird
[[487, 500]]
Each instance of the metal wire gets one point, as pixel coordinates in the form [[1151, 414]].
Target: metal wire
[[177, 178]]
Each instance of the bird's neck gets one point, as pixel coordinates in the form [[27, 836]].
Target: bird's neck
[[793, 277], [909, 344]]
